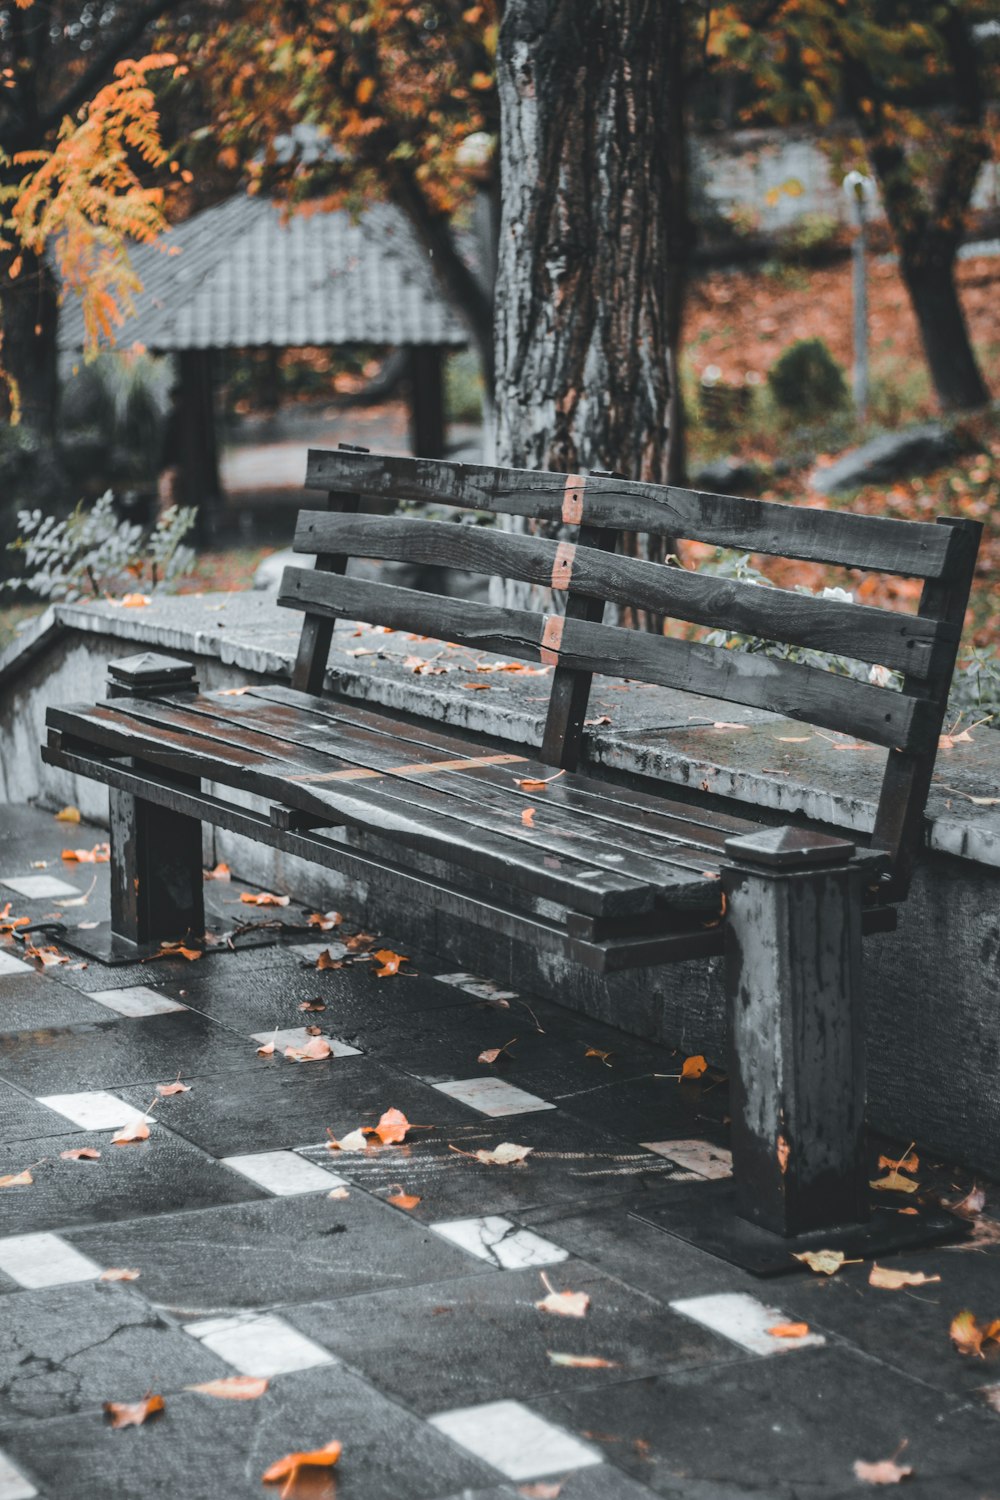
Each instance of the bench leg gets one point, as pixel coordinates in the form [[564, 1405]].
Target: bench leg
[[157, 886], [793, 956]]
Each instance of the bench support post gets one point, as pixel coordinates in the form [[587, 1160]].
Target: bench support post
[[793, 968]]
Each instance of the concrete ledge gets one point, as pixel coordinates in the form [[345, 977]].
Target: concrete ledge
[[932, 987]]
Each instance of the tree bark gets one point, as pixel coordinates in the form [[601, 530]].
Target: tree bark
[[28, 356], [586, 294], [929, 276]]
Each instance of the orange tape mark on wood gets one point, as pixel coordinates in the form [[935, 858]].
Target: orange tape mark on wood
[[365, 773], [572, 506], [552, 634], [562, 567]]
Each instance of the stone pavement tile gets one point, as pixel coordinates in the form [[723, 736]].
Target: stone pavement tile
[[112, 1053], [283, 1103], [22, 1118], [570, 1164], [441, 1346], [30, 1001], [69, 1349], [44, 1260], [652, 1109], [206, 1449], [150, 1177], [732, 1432], [509, 1436], [267, 1254]]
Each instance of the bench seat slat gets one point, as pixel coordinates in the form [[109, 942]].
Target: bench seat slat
[[788, 688], [885, 637], [915, 549]]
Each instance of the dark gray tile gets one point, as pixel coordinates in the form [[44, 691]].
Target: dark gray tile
[[283, 1103], [31, 1001], [205, 1449], [69, 1349], [154, 1176], [570, 1163], [110, 1054], [784, 1427], [283, 1250], [485, 1339], [651, 1108], [22, 1118]]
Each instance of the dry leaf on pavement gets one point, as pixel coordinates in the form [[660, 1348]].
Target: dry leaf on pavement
[[895, 1182], [233, 1387], [886, 1471], [969, 1336], [288, 1467], [17, 1179], [119, 1273], [582, 1361], [263, 898], [403, 1200], [693, 1067], [562, 1304], [507, 1154], [314, 1051], [99, 855], [324, 920], [220, 871], [130, 1134], [392, 1127], [133, 1414], [68, 815], [827, 1262], [789, 1330], [168, 1090], [388, 962], [894, 1281], [80, 1153], [357, 1140]]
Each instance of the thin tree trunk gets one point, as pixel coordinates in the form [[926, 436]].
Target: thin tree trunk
[[28, 356], [584, 299], [930, 281]]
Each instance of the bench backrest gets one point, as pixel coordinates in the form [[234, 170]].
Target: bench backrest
[[594, 510]]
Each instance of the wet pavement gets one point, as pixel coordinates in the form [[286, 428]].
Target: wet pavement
[[389, 1295]]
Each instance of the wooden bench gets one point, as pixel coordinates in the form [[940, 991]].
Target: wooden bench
[[601, 873]]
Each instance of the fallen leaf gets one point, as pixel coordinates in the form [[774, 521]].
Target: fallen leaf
[[233, 1387], [894, 1182], [789, 1330], [134, 601], [80, 1153], [99, 855], [949, 741], [263, 898], [266, 1049], [392, 1127], [338, 1192], [358, 940], [324, 920], [991, 1395], [231, 692], [476, 687], [505, 1155], [403, 1200], [218, 872], [68, 815], [125, 1414], [595, 723], [119, 1273], [288, 1467], [388, 961], [536, 783], [492, 1053], [972, 1204], [886, 1471], [178, 950], [794, 739], [909, 1162], [17, 1179], [892, 1281], [722, 724], [693, 1067], [827, 1262], [357, 1140], [130, 1134], [582, 1361], [48, 956], [313, 1005], [563, 1304], [542, 1490], [168, 1090], [605, 1057], [326, 960], [313, 1051], [528, 817], [969, 1336]]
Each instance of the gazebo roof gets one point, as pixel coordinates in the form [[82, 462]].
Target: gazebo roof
[[240, 275]]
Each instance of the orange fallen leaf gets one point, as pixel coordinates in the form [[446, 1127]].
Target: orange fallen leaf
[[885, 1471], [789, 1330], [324, 920], [9, 923], [969, 1336], [99, 855], [218, 872], [794, 739], [562, 1304], [326, 960], [313, 1005], [528, 817], [972, 1204], [134, 601], [605, 1057], [476, 687], [491, 1054], [339, 1192], [536, 783], [168, 1090], [263, 898], [392, 1127], [693, 1067], [507, 1154], [389, 962], [233, 1387], [129, 1135], [288, 1466], [313, 1051], [133, 1414], [582, 1361], [355, 1140], [68, 815], [231, 692], [266, 1049], [358, 940], [119, 1273], [178, 950], [908, 1163], [80, 1153], [17, 1179], [949, 741], [541, 1490], [48, 956], [826, 1262], [403, 1200], [892, 1281], [894, 1182]]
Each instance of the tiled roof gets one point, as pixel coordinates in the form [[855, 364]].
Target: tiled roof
[[239, 276]]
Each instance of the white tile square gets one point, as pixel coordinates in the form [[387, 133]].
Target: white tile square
[[700, 1157], [496, 1240], [136, 1000], [37, 1260], [743, 1320], [13, 1485], [259, 1344], [298, 1036], [283, 1173], [515, 1440], [483, 989], [492, 1096], [39, 887], [95, 1110], [11, 965]]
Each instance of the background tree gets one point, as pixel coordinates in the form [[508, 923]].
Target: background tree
[[916, 83]]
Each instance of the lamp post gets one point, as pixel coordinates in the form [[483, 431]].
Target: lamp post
[[860, 191]]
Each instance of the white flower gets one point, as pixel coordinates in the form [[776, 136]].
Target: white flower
[[844, 595], [880, 676]]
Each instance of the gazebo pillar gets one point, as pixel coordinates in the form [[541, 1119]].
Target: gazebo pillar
[[198, 452], [427, 424]]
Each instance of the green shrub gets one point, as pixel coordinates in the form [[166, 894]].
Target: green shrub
[[806, 379]]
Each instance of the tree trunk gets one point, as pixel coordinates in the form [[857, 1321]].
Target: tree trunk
[[28, 356], [930, 281], [585, 301]]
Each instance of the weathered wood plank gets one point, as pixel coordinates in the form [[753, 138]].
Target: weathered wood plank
[[886, 637], [818, 697], [912, 548]]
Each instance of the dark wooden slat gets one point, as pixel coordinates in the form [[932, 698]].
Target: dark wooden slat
[[315, 640], [635, 852], [886, 637], [911, 548], [788, 688], [576, 883], [569, 694]]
